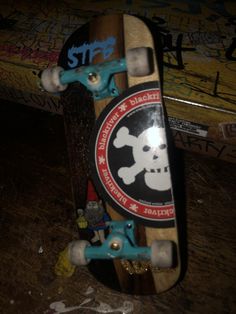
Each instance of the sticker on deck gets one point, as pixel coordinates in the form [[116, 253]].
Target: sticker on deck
[[130, 156]]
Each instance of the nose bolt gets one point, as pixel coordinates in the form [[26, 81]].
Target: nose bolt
[[93, 77], [115, 246]]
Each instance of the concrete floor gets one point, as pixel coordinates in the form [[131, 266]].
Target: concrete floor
[[37, 222]]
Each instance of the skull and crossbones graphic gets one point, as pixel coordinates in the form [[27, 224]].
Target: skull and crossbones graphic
[[150, 154]]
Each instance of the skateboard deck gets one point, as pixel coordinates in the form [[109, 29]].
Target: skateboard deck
[[126, 162]]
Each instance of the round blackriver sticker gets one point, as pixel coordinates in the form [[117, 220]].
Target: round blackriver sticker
[[129, 153]]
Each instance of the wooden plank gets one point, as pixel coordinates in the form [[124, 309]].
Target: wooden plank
[[100, 29], [137, 32]]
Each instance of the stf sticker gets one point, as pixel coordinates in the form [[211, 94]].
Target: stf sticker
[[78, 50]]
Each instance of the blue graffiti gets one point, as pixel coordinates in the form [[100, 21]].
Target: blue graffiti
[[77, 55]]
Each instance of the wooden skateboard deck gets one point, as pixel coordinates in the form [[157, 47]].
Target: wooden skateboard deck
[[109, 38]]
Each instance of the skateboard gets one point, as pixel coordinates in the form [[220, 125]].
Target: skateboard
[[110, 88]]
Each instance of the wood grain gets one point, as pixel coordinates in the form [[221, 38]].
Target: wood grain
[[136, 34], [100, 29], [131, 32]]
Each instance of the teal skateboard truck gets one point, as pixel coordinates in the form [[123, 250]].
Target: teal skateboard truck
[[121, 244], [99, 78]]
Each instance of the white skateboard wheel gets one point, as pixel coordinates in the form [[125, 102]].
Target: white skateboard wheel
[[76, 252], [138, 61], [162, 253], [50, 80]]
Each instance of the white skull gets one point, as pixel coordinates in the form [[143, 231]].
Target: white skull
[[150, 150], [149, 153]]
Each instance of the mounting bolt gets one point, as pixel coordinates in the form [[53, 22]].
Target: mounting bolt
[[93, 77], [115, 246]]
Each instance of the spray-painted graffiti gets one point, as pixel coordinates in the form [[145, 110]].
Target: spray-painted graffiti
[[168, 46], [230, 51], [38, 40], [26, 53], [90, 50], [189, 6], [229, 54], [198, 39], [205, 146]]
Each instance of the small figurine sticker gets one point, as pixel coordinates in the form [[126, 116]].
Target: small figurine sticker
[[94, 216]]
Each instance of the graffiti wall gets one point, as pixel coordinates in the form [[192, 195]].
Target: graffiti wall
[[197, 40]]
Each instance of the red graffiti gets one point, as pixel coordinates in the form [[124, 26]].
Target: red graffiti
[[26, 53]]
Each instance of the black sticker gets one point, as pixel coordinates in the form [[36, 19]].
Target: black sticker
[[130, 156]]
